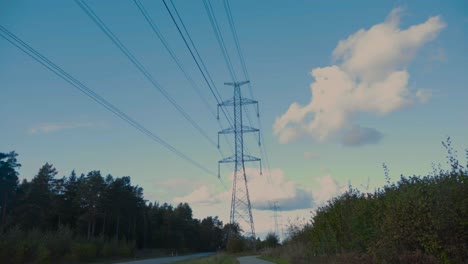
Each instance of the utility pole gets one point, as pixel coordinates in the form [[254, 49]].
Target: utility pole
[[241, 209]]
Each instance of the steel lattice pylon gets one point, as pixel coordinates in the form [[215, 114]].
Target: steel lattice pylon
[[241, 209]]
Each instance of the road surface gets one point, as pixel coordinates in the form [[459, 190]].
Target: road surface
[[252, 260], [168, 259]]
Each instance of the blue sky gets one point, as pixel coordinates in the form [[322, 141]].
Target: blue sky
[[424, 101]]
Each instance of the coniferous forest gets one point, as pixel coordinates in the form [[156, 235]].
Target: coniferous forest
[[80, 217]]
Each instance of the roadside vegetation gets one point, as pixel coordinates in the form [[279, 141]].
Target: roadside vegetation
[[217, 259], [273, 260], [418, 219], [89, 217]]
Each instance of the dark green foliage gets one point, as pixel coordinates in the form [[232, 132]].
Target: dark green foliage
[[84, 251], [416, 220], [35, 246], [80, 218], [236, 245], [8, 184], [271, 240]]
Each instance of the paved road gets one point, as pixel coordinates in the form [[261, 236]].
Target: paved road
[[252, 260], [168, 259]]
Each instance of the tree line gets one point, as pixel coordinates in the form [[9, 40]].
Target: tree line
[[94, 216], [415, 220]]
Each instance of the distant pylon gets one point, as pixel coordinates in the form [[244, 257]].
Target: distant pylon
[[275, 216], [241, 209]]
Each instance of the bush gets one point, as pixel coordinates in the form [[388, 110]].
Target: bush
[[42, 254], [35, 246], [84, 251], [108, 250], [415, 220], [271, 240], [59, 242], [126, 250], [236, 245]]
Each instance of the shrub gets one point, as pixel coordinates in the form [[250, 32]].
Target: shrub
[[415, 220], [126, 250], [84, 251], [236, 245], [108, 250], [42, 254]]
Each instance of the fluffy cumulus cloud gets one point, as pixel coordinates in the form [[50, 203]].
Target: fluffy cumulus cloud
[[266, 189], [205, 194], [276, 187], [328, 188], [370, 77], [295, 202], [286, 192]]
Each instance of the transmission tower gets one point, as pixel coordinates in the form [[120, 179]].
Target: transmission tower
[[275, 216], [241, 209]]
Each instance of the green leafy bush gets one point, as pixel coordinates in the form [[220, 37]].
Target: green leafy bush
[[84, 251], [236, 245], [415, 220]]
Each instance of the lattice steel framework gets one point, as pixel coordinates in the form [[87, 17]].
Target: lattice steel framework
[[241, 209]]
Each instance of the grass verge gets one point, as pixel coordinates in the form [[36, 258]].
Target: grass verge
[[217, 259], [274, 260], [139, 255]]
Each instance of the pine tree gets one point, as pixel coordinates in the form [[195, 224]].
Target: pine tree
[[8, 183]]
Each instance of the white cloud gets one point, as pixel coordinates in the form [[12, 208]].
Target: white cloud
[[276, 187], [294, 201], [46, 128], [328, 188], [370, 77], [205, 194], [263, 190]]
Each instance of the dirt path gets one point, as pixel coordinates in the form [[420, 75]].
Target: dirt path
[[168, 259], [252, 260]]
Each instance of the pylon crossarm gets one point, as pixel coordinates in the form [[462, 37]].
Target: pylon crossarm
[[229, 102], [236, 83], [242, 101], [248, 158], [228, 160], [246, 101], [245, 129]]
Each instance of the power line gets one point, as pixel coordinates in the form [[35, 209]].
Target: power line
[[227, 7], [176, 60], [139, 66], [199, 62], [160, 36], [219, 38], [224, 51], [222, 46], [263, 151], [10, 37]]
